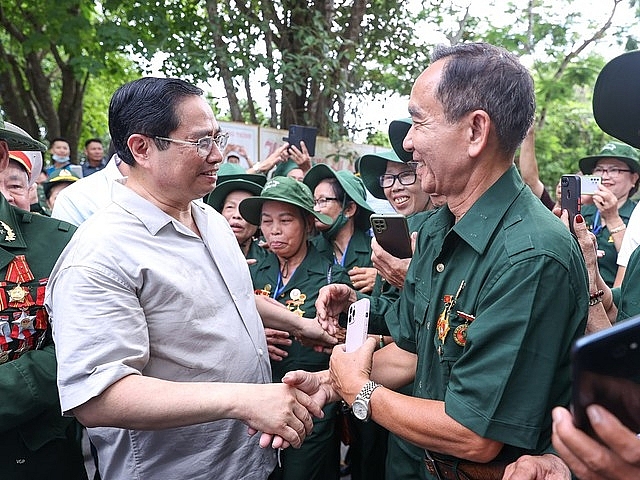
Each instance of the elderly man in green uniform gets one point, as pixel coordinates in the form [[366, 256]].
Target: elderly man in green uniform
[[36, 441], [496, 292]]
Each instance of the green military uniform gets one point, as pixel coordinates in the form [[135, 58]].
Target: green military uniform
[[523, 302], [607, 264], [357, 254], [319, 456], [628, 299], [36, 441]]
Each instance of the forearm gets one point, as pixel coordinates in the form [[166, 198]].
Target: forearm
[[393, 367], [145, 403], [425, 423], [276, 316]]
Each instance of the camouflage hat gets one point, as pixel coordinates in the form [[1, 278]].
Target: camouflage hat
[[17, 138], [372, 166], [281, 189], [398, 129], [352, 185], [57, 177], [617, 150]]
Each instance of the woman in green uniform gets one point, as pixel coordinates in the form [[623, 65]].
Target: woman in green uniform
[[233, 186], [292, 273]]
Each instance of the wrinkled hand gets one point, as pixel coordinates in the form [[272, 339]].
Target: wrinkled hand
[[282, 412], [301, 156], [617, 458], [276, 338], [392, 269], [363, 278], [350, 371], [607, 202], [587, 241], [279, 155], [538, 467], [317, 385], [313, 335], [332, 301]]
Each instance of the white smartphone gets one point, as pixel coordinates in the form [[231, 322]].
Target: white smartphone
[[589, 184], [357, 324]]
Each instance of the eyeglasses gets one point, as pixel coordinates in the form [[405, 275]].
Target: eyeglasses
[[322, 202], [612, 171], [204, 144], [405, 178]]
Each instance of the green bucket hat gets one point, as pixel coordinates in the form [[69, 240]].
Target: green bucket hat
[[281, 189], [372, 165], [18, 139], [619, 151], [352, 185], [217, 197], [283, 169], [398, 129]]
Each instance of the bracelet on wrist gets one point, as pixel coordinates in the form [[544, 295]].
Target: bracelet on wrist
[[381, 342], [618, 229], [595, 298]]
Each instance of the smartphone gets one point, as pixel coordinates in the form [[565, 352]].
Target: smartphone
[[392, 233], [606, 371], [306, 134], [357, 325], [570, 196], [589, 184]]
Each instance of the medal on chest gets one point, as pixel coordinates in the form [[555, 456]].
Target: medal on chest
[[297, 300], [18, 272], [460, 332], [266, 291], [443, 325]]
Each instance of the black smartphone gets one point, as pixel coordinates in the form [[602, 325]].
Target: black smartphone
[[392, 233], [570, 196], [606, 371], [306, 134]]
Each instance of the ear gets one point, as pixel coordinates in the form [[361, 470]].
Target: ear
[[350, 209], [479, 131], [140, 146], [4, 155], [310, 223]]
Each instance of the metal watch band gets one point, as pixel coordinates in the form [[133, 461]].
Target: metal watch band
[[367, 390]]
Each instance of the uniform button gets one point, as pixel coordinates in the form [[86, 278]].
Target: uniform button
[[261, 352], [440, 267]]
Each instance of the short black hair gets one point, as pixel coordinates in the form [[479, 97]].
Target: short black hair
[[146, 106], [91, 140], [60, 139]]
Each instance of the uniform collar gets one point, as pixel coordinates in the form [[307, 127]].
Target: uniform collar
[[477, 226], [10, 233]]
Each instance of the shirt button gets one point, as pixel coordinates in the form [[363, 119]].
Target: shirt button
[[440, 267], [260, 352]]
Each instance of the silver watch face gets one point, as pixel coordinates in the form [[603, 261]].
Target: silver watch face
[[360, 410]]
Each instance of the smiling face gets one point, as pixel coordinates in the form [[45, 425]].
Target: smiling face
[[284, 228], [242, 229], [619, 184], [405, 199]]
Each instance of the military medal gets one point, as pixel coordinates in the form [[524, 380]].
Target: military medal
[[10, 235], [4, 357], [18, 271], [297, 300], [443, 320], [266, 291], [460, 332]]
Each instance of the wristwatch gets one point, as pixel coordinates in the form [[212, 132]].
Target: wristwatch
[[360, 405]]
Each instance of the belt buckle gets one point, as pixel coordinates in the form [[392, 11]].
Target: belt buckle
[[431, 465]]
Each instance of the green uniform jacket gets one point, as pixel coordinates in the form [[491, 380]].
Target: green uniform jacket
[[30, 415], [256, 251], [524, 302], [607, 265], [628, 299], [358, 252]]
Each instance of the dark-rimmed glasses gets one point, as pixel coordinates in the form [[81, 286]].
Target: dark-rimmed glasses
[[405, 178], [204, 145], [612, 171]]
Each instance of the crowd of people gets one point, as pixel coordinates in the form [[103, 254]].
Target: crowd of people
[[186, 307]]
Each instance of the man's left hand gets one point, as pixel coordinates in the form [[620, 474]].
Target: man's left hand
[[539, 467]]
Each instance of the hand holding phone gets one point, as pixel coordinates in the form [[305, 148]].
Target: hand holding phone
[[392, 233], [570, 187], [357, 325]]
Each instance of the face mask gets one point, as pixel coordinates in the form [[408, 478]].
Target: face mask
[[59, 159]]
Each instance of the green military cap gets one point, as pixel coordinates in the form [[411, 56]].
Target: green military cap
[[281, 189], [17, 138], [283, 168], [232, 171], [351, 184], [619, 151], [57, 177], [223, 189], [372, 166], [398, 129]]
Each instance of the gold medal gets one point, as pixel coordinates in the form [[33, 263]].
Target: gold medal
[[18, 294], [442, 326], [4, 357]]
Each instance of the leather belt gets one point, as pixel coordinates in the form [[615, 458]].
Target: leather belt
[[444, 468]]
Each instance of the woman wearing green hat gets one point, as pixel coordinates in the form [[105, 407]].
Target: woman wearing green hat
[[342, 196], [609, 212], [292, 273], [233, 186]]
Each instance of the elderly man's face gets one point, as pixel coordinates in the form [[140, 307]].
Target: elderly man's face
[[14, 185]]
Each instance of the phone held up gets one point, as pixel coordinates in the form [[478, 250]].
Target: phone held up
[[306, 134], [570, 186], [357, 325], [589, 184], [606, 371], [392, 233]]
